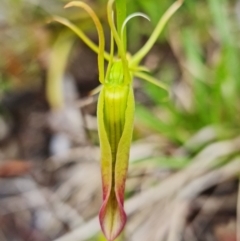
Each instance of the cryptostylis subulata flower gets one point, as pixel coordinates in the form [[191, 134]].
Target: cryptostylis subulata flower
[[115, 111]]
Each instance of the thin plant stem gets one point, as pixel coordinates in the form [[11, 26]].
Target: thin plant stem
[[118, 41], [121, 10], [111, 55]]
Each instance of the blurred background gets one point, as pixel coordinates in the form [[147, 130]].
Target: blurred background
[[183, 181]]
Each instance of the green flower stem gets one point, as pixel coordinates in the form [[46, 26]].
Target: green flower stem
[[121, 11], [110, 62], [118, 40]]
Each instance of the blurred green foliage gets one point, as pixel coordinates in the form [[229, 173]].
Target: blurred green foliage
[[204, 38]]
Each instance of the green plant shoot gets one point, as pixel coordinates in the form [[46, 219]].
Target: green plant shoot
[[115, 111]]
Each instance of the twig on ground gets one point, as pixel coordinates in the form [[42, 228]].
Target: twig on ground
[[2, 236], [86, 101], [238, 213], [81, 154], [189, 234], [178, 221]]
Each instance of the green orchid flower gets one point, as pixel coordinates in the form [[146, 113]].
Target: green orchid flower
[[115, 111]]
